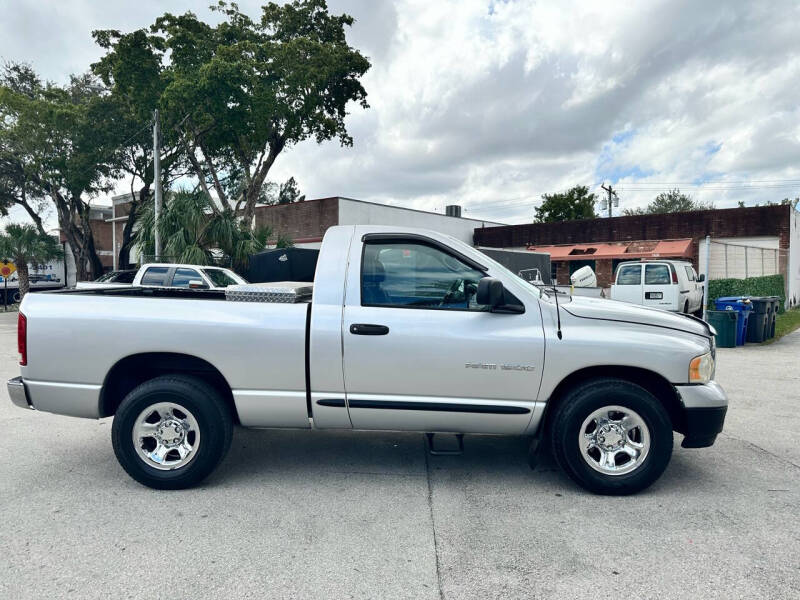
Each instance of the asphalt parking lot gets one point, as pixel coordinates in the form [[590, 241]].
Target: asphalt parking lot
[[368, 515]]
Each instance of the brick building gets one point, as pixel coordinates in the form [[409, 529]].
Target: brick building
[[306, 222], [745, 242]]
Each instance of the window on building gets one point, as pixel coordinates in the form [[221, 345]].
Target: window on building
[[574, 265]]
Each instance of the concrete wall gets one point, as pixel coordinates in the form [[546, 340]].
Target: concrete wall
[[355, 212]]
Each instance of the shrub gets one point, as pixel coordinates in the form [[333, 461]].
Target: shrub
[[769, 285]]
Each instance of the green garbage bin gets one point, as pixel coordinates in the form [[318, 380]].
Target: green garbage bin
[[725, 322]]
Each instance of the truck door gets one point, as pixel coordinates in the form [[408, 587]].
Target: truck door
[[658, 290], [696, 289], [628, 287], [421, 355]]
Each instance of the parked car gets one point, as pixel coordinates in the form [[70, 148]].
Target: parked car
[[406, 330], [169, 275], [667, 284]]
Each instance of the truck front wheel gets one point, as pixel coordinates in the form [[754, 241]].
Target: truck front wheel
[[611, 436], [171, 432]]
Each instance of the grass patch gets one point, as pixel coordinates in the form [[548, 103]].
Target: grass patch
[[786, 322]]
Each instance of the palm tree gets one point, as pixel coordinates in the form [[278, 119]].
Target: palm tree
[[24, 245], [194, 231]]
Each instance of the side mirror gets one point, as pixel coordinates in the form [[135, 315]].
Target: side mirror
[[701, 278], [197, 284], [490, 292]]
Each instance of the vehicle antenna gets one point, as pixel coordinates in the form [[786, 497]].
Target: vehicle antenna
[[558, 312]]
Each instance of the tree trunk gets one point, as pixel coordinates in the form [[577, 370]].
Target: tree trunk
[[254, 189], [73, 219], [95, 265], [124, 260], [24, 279], [37, 220]]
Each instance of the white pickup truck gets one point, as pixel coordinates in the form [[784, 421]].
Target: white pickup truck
[[200, 277], [406, 330]]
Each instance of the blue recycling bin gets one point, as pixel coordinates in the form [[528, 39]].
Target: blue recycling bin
[[743, 306]]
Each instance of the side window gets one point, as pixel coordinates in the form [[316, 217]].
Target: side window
[[155, 276], [629, 275], [657, 275], [182, 277], [690, 273], [415, 275]]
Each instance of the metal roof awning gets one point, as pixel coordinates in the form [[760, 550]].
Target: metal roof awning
[[610, 250]]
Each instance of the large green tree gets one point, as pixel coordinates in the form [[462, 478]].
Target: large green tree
[[24, 245], [575, 203], [51, 148], [134, 75], [238, 93], [670, 202]]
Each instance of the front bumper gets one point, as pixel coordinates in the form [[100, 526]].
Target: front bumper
[[704, 409], [18, 393]]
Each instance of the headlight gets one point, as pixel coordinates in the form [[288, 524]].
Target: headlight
[[701, 368]]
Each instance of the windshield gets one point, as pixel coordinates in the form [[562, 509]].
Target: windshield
[[223, 277]]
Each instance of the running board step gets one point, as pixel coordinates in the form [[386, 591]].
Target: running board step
[[441, 452]]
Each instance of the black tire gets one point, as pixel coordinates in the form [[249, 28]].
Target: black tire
[[578, 404], [212, 415], [686, 308]]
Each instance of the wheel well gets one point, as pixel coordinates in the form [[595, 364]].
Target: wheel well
[[134, 370], [649, 380]]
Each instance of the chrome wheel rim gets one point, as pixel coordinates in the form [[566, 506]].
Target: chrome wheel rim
[[614, 440], [166, 436]]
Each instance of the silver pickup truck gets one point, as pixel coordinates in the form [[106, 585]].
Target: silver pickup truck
[[405, 330]]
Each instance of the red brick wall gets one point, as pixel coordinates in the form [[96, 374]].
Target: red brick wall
[[102, 240], [603, 272], [300, 220], [562, 272]]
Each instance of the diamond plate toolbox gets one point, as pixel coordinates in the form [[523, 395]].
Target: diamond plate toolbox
[[287, 292]]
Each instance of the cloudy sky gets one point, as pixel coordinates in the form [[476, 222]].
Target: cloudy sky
[[491, 103]]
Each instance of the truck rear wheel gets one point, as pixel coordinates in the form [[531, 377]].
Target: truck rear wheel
[[171, 432], [611, 436]]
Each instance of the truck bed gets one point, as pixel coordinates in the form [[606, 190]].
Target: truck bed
[[258, 348], [252, 295]]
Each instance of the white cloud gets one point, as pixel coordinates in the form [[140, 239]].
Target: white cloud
[[492, 103]]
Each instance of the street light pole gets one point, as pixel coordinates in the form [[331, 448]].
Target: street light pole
[[157, 180]]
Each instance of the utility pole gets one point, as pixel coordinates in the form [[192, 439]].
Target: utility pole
[[157, 179], [611, 192]]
